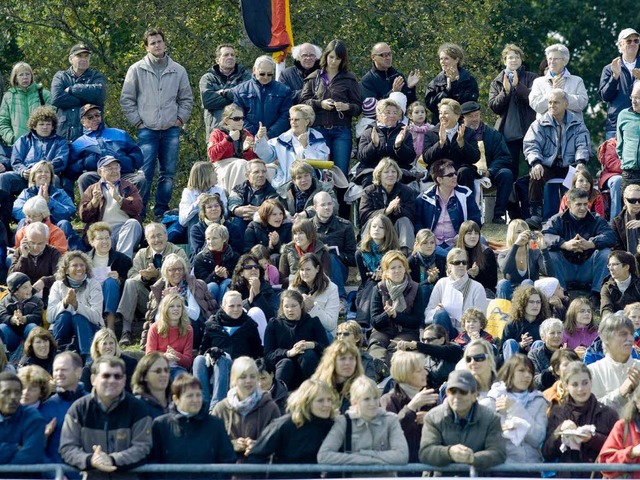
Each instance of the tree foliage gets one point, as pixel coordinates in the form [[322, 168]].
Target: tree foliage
[[42, 31]]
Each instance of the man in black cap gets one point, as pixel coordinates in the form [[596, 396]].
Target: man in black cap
[[495, 153], [75, 87], [461, 430], [99, 141], [115, 201]]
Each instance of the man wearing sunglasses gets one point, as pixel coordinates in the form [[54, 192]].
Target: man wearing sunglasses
[[383, 79], [265, 101], [110, 429], [460, 430], [618, 78]]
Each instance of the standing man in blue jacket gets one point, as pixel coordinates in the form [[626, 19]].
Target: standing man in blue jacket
[[265, 101], [157, 99], [75, 87], [21, 427]]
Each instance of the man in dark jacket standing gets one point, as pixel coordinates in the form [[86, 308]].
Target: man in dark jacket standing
[[75, 87], [216, 85], [383, 79], [579, 244], [496, 156], [306, 60], [108, 431], [461, 430]]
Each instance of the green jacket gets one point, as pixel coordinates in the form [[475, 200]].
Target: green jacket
[[17, 104]]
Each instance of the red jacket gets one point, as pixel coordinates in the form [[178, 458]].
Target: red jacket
[[610, 161], [615, 450], [220, 146], [182, 345]]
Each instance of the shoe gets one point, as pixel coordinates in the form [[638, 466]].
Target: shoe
[[125, 339], [343, 307], [499, 220]]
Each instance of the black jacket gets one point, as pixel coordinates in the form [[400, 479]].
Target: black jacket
[[118, 262], [266, 300], [199, 439], [496, 151], [379, 84], [441, 361], [411, 319], [612, 299], [343, 87], [237, 337], [31, 309], [338, 232], [416, 266], [293, 77], [369, 155], [375, 200], [465, 89], [281, 334], [465, 156], [258, 233], [204, 264], [290, 444]]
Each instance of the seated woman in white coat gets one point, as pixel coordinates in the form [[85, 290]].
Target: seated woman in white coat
[[298, 143], [454, 294]]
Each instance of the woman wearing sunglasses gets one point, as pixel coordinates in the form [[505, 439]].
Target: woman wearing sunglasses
[[151, 383], [258, 298], [230, 146], [455, 294], [481, 362]]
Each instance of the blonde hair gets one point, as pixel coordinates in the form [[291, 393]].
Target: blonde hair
[[383, 164], [390, 257], [362, 386], [299, 402], [404, 363], [163, 325], [100, 336], [36, 376], [202, 176], [326, 370], [421, 237], [512, 236], [41, 165], [242, 365], [172, 259], [17, 69]]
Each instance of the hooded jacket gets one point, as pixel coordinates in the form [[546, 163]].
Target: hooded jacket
[[30, 149], [237, 337], [16, 107]]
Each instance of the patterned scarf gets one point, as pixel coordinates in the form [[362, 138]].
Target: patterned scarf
[[372, 259], [243, 407], [396, 292]]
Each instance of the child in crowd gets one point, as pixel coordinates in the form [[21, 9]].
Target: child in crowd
[[473, 323], [580, 329], [271, 273], [583, 180], [268, 382], [202, 179], [632, 312], [558, 301], [426, 266], [418, 125]]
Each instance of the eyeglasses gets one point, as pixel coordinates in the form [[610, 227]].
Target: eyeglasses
[[91, 117], [115, 376], [480, 357], [159, 371], [612, 265], [457, 391], [534, 302], [383, 54], [633, 200], [308, 55], [430, 339], [449, 175], [343, 334], [299, 119], [263, 74], [236, 119], [630, 41], [251, 267], [458, 262]]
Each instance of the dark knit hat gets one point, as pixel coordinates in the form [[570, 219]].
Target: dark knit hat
[[16, 280]]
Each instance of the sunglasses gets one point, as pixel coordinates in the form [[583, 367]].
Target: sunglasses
[[343, 334], [109, 376], [457, 391], [265, 74], [383, 54], [430, 339], [458, 262], [633, 200], [629, 41], [480, 357], [251, 267], [449, 175], [158, 371], [236, 119]]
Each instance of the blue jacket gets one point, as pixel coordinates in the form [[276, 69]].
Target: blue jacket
[[268, 104], [60, 205], [628, 135], [562, 227], [93, 145], [29, 149], [22, 437], [57, 407], [616, 92], [90, 87], [462, 206], [540, 144]]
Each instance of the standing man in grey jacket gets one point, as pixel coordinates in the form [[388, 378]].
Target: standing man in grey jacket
[[156, 97]]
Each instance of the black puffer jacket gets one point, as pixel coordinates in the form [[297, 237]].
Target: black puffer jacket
[[238, 337]]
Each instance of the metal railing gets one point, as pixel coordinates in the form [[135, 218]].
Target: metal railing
[[274, 469]]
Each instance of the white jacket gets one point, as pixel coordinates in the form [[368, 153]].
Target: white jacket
[[326, 306], [573, 87], [189, 207], [476, 298], [89, 301]]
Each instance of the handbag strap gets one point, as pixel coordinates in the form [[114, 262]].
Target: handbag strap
[[41, 96], [348, 433]]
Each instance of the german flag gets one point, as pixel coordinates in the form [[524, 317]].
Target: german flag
[[268, 24]]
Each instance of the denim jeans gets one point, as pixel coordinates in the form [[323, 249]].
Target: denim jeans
[[218, 290], [510, 347], [213, 380], [505, 289], [615, 196], [339, 274], [66, 325], [9, 337], [442, 318], [161, 147], [111, 294], [590, 272], [339, 141], [503, 182]]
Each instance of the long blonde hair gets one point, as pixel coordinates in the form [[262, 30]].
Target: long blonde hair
[[163, 324]]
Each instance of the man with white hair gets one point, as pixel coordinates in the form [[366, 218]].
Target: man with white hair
[[306, 60], [558, 77], [36, 258], [628, 138], [551, 331], [265, 101], [144, 272], [616, 376], [619, 77]]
